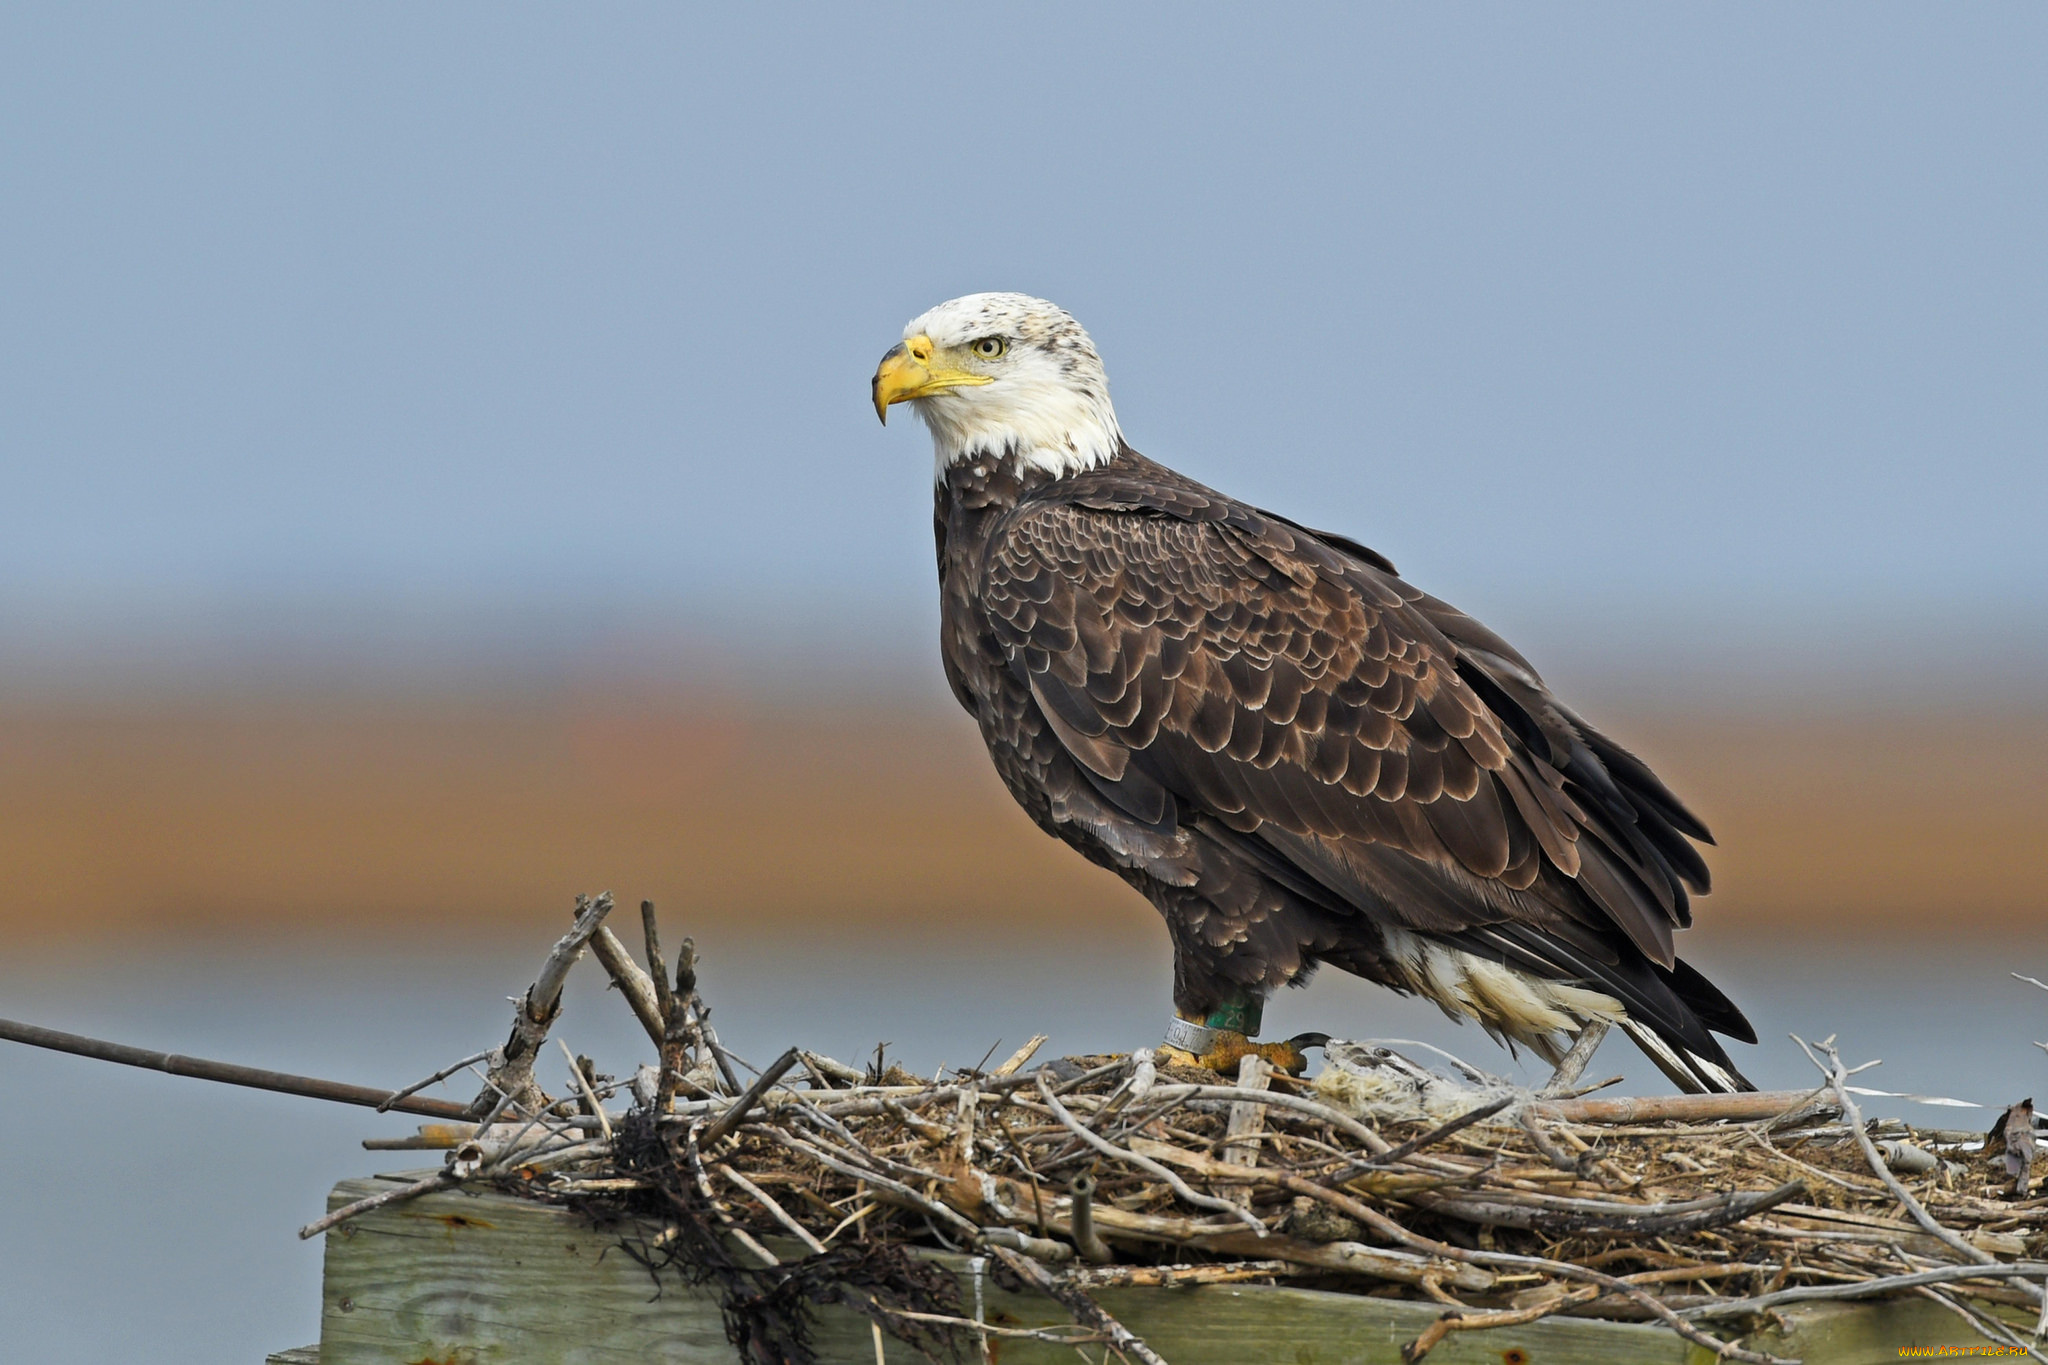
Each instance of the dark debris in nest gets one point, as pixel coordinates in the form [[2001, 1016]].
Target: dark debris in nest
[[767, 1309]]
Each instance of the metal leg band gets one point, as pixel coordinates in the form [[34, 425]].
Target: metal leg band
[[1190, 1037]]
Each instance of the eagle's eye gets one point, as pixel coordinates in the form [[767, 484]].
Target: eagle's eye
[[990, 348]]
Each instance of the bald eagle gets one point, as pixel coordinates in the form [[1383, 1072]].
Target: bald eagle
[[1297, 757]]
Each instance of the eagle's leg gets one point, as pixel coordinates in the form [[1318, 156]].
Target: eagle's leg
[[1222, 1037]]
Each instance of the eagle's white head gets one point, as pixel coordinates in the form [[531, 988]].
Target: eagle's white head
[[999, 376]]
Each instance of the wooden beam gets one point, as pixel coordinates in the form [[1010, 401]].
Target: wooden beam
[[481, 1275]]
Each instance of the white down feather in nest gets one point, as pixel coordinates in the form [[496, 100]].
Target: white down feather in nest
[[1377, 1082]]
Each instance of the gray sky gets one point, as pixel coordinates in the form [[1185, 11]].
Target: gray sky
[[508, 314]]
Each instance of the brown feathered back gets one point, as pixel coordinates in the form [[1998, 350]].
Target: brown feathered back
[[1208, 697]]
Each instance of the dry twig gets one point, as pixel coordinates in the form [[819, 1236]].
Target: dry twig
[[511, 1071], [1086, 1310], [439, 1180]]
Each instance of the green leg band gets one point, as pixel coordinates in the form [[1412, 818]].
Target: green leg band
[[1241, 1016]]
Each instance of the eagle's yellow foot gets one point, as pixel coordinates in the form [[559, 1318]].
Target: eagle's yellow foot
[[1227, 1050]]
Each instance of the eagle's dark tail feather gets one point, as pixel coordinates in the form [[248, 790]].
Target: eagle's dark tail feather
[[1705, 1070], [1688, 1070], [1670, 1011]]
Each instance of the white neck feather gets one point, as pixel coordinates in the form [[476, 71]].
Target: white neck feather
[[1041, 421]]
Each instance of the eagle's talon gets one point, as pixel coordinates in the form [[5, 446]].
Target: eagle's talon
[[1227, 1049]]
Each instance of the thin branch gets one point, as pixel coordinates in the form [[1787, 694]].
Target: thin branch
[[879, 1181], [673, 1008], [1337, 1119], [1558, 1217], [1986, 1326], [775, 1210], [439, 1180], [721, 1056], [1433, 1335], [1748, 1106], [695, 1157], [736, 1114], [834, 1070], [443, 1074], [1076, 1301], [228, 1073], [589, 1091], [1076, 1336], [1022, 1055], [1572, 1065], [1552, 1153], [1416, 1144], [1867, 1288], [700, 1015], [1177, 1276], [664, 994], [1146, 1164], [637, 986]]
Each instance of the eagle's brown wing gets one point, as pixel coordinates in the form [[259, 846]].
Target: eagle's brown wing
[[1202, 659]]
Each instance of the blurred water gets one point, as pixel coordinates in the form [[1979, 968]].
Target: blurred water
[[152, 1218]]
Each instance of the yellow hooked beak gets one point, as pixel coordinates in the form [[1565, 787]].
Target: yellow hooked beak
[[912, 370]]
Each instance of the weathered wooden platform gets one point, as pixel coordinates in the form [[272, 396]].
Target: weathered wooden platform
[[463, 1278]]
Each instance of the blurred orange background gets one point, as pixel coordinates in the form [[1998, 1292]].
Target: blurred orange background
[[438, 816]]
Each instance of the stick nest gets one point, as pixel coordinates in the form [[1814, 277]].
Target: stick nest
[[814, 1182]]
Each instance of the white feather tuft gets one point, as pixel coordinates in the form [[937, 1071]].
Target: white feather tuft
[[1503, 1000]]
